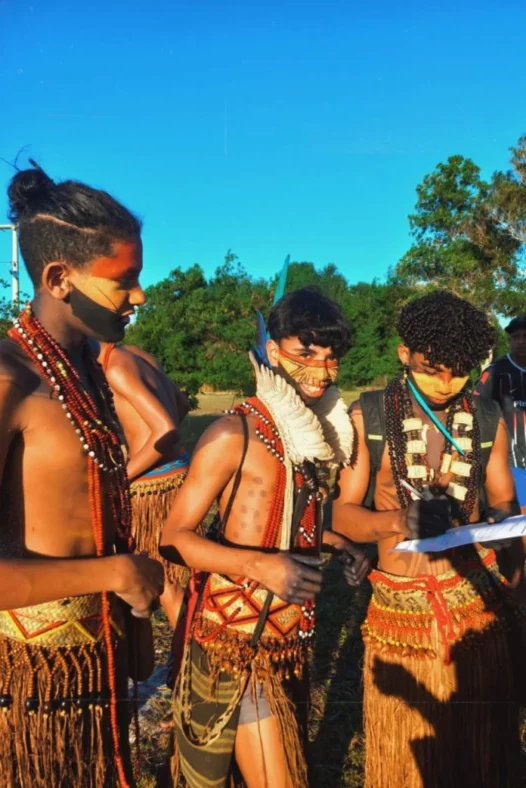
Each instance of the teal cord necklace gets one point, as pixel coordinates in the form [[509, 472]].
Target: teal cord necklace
[[425, 407]]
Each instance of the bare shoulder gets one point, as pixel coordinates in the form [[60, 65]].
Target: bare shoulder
[[17, 382], [225, 436], [139, 353], [15, 368], [356, 414], [228, 428], [121, 364], [355, 408]]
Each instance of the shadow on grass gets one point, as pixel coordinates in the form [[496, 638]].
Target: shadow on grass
[[336, 751]]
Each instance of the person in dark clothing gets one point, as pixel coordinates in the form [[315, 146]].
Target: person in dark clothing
[[505, 382]]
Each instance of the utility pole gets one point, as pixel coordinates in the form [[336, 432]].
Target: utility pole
[[15, 274]]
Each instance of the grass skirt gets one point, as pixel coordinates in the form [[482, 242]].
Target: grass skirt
[[54, 712], [152, 497], [439, 691]]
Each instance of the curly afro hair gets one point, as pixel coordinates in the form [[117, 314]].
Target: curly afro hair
[[449, 331]]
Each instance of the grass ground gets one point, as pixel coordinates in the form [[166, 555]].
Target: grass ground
[[336, 735]]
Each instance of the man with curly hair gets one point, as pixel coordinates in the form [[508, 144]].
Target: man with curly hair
[[440, 696]]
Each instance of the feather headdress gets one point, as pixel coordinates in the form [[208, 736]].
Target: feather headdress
[[260, 348]]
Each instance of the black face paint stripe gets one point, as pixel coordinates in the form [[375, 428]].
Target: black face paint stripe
[[116, 309], [99, 321]]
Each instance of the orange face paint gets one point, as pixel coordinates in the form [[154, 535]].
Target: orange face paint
[[127, 260], [434, 387], [311, 372]]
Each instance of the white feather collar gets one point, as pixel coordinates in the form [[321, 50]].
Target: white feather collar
[[322, 432]]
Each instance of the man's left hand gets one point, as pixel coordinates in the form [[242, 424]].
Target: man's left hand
[[356, 565]]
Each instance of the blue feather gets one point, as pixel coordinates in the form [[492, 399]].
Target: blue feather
[[260, 348], [282, 281]]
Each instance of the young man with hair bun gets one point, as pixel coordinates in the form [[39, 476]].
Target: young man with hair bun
[[74, 601]]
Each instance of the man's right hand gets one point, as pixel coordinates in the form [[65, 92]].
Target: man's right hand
[[140, 580], [294, 579], [424, 519]]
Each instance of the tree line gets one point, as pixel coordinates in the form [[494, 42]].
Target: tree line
[[469, 236]]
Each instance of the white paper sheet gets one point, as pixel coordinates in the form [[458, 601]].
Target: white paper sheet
[[512, 528]]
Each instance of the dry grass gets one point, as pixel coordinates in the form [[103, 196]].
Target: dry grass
[[211, 406], [156, 742], [336, 736], [219, 402]]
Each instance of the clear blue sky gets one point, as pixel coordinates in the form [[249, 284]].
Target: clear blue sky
[[298, 126]]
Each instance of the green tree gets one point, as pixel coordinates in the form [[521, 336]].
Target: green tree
[[7, 311], [201, 330], [328, 279], [508, 195], [459, 245], [372, 308]]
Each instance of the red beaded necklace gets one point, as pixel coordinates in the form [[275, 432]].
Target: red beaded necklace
[[268, 433], [102, 446]]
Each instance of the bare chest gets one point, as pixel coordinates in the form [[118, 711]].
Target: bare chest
[[44, 490], [252, 503]]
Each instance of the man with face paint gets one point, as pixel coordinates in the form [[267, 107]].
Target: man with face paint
[[438, 710], [73, 599], [505, 382], [241, 697]]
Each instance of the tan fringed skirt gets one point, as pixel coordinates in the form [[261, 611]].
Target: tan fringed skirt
[[152, 497], [439, 693], [55, 727]]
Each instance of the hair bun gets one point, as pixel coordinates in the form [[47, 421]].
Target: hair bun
[[29, 191]]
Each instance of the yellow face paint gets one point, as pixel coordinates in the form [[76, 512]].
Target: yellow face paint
[[309, 372], [434, 387]]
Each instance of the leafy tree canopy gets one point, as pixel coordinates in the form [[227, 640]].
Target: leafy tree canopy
[[469, 237], [460, 244]]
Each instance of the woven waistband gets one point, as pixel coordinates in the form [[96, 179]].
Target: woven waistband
[[72, 621], [426, 615], [237, 609], [458, 587]]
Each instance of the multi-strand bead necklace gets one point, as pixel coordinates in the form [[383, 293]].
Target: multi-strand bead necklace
[[408, 448]]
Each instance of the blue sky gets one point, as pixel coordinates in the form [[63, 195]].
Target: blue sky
[[298, 126]]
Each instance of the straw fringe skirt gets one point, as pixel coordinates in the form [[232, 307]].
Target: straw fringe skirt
[[54, 712], [439, 692], [152, 497]]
